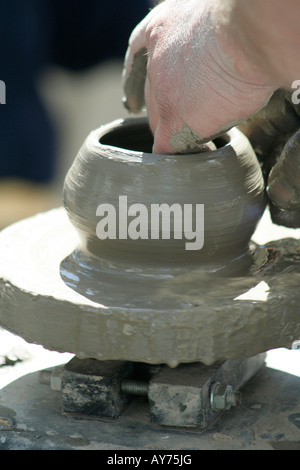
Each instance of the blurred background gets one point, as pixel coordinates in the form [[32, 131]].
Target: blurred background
[[61, 61]]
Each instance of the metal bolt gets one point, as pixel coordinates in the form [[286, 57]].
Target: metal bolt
[[296, 345], [52, 377], [56, 378], [134, 387], [223, 397]]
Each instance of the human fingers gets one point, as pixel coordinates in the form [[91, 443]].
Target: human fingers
[[284, 180], [135, 66]]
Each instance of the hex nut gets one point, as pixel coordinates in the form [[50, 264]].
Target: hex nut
[[223, 397]]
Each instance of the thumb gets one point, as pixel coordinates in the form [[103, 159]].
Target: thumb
[[133, 79]]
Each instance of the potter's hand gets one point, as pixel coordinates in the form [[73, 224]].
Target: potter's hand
[[196, 79], [284, 185], [275, 136]]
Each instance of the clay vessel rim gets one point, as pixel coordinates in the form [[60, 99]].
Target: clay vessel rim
[[236, 141]]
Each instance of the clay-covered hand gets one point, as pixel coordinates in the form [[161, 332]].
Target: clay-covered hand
[[275, 136], [194, 77]]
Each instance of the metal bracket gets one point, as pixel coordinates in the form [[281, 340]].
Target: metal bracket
[[191, 395]]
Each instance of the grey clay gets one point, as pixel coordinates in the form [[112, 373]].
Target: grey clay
[[151, 300]]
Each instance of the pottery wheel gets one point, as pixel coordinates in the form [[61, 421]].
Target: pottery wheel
[[141, 316]]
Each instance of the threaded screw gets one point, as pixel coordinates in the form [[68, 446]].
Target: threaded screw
[[134, 387]]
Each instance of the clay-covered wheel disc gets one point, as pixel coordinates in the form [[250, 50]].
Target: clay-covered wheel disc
[[188, 317]]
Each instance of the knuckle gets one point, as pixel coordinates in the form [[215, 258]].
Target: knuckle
[[153, 34]]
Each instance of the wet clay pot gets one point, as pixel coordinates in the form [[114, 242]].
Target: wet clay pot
[[152, 300], [116, 160]]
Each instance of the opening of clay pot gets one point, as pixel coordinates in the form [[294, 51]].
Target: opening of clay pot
[[140, 138], [137, 139]]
